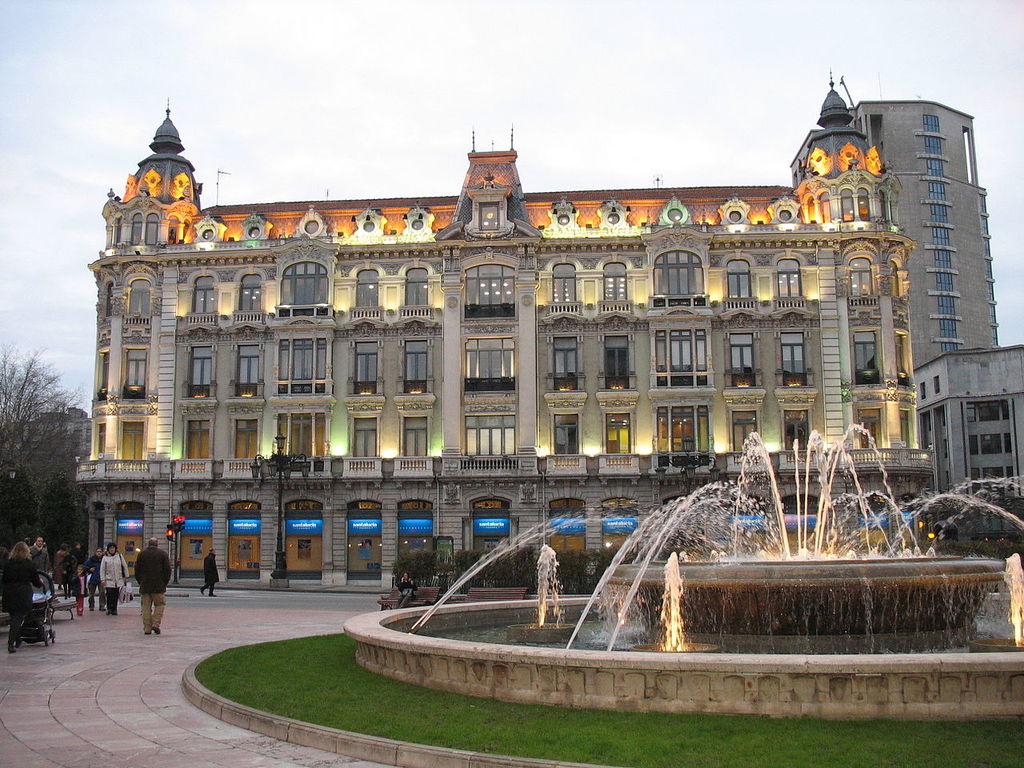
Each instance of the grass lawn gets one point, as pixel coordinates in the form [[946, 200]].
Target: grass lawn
[[317, 680]]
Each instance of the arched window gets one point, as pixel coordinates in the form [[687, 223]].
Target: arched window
[[678, 273], [861, 283], [824, 208], [138, 298], [304, 283], [615, 287], [416, 293], [490, 291], [738, 276], [203, 297], [883, 205], [366, 288], [863, 206], [846, 204], [249, 294], [137, 229], [563, 283], [152, 228], [789, 279], [115, 232]]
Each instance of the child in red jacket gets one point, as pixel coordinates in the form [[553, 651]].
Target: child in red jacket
[[80, 588]]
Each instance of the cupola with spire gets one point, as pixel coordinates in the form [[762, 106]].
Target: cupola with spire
[[165, 175], [839, 146]]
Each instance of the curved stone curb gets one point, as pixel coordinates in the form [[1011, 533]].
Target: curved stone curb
[[403, 754]]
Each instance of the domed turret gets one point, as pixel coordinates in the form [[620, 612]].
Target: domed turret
[[834, 112], [166, 174], [167, 140]]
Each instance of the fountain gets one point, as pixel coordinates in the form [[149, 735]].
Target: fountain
[[548, 589], [1014, 578], [781, 593]]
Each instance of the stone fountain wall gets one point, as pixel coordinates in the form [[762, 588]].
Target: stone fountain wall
[[947, 686]]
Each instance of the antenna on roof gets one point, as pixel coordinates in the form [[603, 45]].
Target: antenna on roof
[[658, 180], [842, 82], [219, 174], [473, 144], [168, 106], [512, 139]]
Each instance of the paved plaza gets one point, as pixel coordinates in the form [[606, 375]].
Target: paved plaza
[[105, 694]]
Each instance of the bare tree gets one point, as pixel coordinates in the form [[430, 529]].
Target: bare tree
[[34, 408]]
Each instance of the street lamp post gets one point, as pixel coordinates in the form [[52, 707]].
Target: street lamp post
[[281, 465]]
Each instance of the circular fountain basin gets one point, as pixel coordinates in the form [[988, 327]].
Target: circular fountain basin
[[824, 606], [922, 686], [687, 648], [995, 645], [540, 635]]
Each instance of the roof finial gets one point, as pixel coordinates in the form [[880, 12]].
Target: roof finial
[[831, 81], [473, 145], [512, 140], [168, 106]]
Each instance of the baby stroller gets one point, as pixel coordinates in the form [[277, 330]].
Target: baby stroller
[[38, 626]]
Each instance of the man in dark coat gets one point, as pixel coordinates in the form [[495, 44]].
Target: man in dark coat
[[92, 567], [210, 573], [153, 572]]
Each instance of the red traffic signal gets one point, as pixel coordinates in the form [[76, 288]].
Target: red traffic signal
[[177, 523], [170, 532]]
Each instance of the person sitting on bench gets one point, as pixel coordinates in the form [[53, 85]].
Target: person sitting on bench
[[406, 588]]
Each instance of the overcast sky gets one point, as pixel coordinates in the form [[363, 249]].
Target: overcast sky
[[301, 100]]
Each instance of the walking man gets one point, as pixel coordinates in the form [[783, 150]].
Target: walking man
[[153, 572]]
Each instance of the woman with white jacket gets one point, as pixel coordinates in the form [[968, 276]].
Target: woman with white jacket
[[113, 576]]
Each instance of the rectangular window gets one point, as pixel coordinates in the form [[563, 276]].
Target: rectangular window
[[302, 364], [943, 281], [414, 436], [865, 348], [490, 435], [566, 356], [489, 358], [305, 432], [415, 366], [943, 259], [365, 374], [990, 444], [566, 429], [939, 213], [988, 410], [794, 371], [933, 145], [248, 381], [931, 123], [946, 305], [948, 328], [200, 371], [905, 426], [132, 445], [103, 377], [488, 216], [247, 438], [940, 236], [101, 439], [197, 439], [364, 437], [616, 362], [935, 167], [617, 433], [936, 190], [871, 420], [681, 358], [949, 346], [743, 423], [135, 369], [741, 360], [796, 428], [682, 429]]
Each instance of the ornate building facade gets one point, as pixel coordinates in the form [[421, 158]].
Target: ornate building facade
[[458, 369]]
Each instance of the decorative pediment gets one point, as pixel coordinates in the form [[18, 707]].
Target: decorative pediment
[[312, 224], [306, 250], [784, 210], [618, 400], [563, 218], [683, 239], [565, 401], [734, 211], [209, 229], [365, 403], [415, 405], [613, 215], [674, 213], [255, 227]]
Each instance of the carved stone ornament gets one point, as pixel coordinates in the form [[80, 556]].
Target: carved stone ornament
[[734, 211], [253, 406], [365, 403], [674, 214], [451, 493], [677, 239], [891, 392], [312, 224], [618, 400], [254, 227], [486, 406], [527, 493], [392, 268], [795, 396], [613, 215], [752, 397], [197, 409], [209, 230], [527, 300], [415, 404], [589, 263], [565, 401], [784, 210]]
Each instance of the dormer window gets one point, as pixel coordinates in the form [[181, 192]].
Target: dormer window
[[488, 217]]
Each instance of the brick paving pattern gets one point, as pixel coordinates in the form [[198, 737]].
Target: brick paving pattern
[[105, 694]]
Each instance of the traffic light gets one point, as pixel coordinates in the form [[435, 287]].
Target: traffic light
[[170, 533], [177, 523], [947, 530]]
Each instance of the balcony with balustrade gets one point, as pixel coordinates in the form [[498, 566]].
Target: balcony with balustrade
[[624, 464], [489, 466], [413, 467], [565, 465]]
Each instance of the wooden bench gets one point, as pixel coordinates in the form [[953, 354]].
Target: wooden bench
[[423, 596], [482, 594], [65, 604]]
